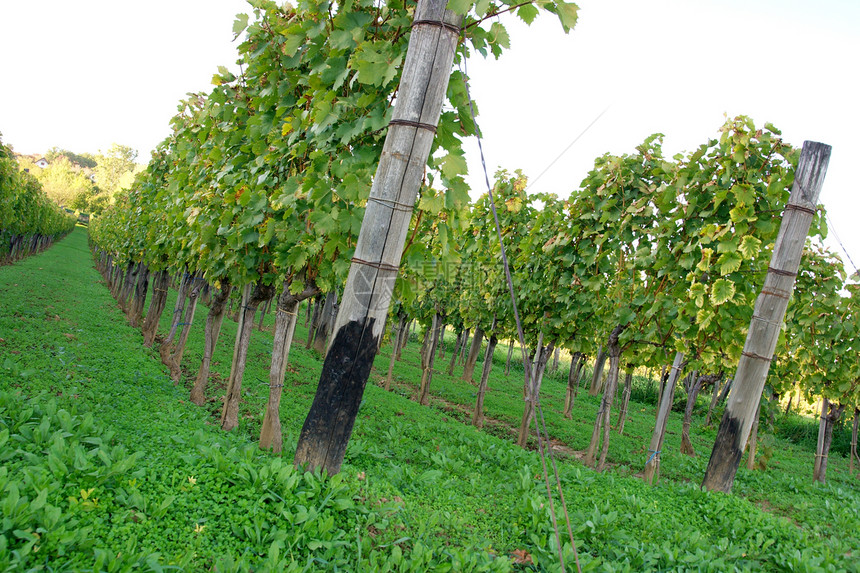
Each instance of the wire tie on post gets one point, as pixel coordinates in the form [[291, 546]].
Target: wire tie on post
[[438, 23], [777, 293], [801, 208], [654, 454], [378, 266], [394, 205], [770, 322], [756, 356], [416, 124], [781, 272]]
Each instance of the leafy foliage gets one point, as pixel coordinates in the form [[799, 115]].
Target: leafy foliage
[[27, 217]]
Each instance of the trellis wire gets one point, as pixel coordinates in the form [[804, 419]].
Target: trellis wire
[[540, 427]]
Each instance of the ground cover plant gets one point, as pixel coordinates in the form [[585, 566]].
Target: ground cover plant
[[108, 466]]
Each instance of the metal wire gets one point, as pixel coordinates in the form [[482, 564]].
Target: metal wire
[[540, 424]]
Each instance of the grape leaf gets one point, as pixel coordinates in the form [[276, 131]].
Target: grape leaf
[[722, 291]]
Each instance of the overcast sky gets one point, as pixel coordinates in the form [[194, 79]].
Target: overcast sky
[[81, 75]]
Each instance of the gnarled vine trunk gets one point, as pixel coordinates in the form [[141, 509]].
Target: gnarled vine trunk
[[596, 375], [316, 316], [403, 340], [602, 420], [478, 413], [576, 363], [327, 318], [251, 299], [692, 395], [217, 310], [532, 395], [428, 357], [625, 401], [510, 354], [830, 414], [472, 358], [135, 311], [652, 465], [128, 285], [853, 456], [176, 321], [401, 332], [286, 316], [173, 355], [752, 443], [455, 353], [156, 307], [714, 396]]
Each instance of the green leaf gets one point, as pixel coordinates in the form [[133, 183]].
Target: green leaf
[[749, 246], [459, 6], [499, 35], [453, 165], [703, 318], [374, 67], [568, 12], [722, 291], [239, 24], [729, 263], [744, 194], [697, 293], [432, 202], [624, 315], [292, 42], [527, 13]]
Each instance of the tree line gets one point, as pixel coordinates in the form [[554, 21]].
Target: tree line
[[29, 220]]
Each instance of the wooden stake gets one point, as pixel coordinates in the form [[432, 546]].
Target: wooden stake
[[367, 295], [767, 319], [652, 465]]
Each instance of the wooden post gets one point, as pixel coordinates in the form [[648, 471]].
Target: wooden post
[[767, 319], [367, 295], [652, 465], [597, 373], [286, 317]]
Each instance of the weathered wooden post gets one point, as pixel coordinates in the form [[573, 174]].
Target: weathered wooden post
[[367, 295], [652, 465], [767, 319]]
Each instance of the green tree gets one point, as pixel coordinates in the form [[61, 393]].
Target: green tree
[[116, 168], [85, 160], [64, 182]]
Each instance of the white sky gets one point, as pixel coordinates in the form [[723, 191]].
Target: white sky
[[81, 75]]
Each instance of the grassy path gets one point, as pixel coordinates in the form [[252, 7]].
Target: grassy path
[[107, 466]]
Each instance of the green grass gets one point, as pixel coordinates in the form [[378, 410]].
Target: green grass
[[106, 465]]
